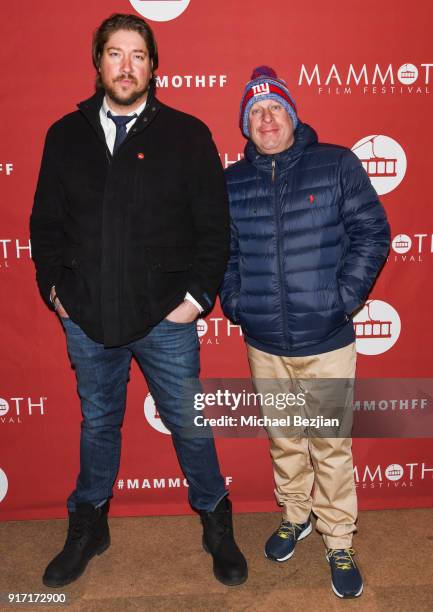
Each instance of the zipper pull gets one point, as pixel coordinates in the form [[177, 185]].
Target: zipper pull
[[273, 170]]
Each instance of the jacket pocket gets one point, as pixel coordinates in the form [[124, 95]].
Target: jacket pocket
[[69, 286], [168, 277], [341, 304], [70, 258]]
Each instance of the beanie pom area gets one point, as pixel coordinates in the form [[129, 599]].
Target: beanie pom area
[[263, 71]]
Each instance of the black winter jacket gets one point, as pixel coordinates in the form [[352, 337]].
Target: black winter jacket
[[309, 236], [124, 237]]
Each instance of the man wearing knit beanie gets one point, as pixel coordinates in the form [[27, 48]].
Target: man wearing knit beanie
[[265, 85], [309, 237]]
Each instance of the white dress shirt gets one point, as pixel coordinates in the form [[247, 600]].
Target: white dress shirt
[[109, 126]]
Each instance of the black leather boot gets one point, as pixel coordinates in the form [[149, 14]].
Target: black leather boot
[[88, 535], [229, 564]]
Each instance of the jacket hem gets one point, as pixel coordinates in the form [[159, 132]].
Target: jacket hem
[[342, 338]]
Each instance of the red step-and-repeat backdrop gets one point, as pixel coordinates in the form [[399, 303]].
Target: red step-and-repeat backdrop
[[361, 73]]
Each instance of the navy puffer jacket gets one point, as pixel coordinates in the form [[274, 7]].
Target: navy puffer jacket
[[309, 237]]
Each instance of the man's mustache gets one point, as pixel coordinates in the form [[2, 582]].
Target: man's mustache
[[123, 76]]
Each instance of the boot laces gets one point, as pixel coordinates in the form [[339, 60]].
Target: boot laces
[[224, 525], [80, 526], [343, 558], [220, 522]]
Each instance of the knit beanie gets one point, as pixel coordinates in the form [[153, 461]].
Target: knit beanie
[[265, 85]]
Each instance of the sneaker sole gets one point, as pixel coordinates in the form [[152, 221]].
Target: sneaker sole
[[53, 584], [341, 596], [302, 535]]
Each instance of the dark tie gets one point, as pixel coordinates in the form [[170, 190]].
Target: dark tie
[[121, 122]]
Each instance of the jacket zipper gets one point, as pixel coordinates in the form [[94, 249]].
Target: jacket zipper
[[280, 259]]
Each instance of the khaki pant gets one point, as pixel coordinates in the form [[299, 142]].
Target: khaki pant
[[301, 462]]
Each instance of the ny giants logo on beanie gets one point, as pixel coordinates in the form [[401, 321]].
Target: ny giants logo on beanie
[[265, 85], [261, 89]]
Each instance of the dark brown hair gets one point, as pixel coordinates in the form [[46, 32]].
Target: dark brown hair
[[120, 21]]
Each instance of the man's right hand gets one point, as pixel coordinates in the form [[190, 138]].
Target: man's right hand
[[58, 305]]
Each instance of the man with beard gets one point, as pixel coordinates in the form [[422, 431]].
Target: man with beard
[[309, 237], [129, 232]]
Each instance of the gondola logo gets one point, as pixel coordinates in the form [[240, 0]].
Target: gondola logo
[[407, 74], [160, 10], [384, 161], [152, 415], [401, 244], [202, 328], [4, 407], [377, 328], [394, 472], [3, 485]]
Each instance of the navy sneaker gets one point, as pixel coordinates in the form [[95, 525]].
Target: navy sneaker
[[281, 545], [345, 575]]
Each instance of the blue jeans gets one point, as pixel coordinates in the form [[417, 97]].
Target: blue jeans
[[167, 356]]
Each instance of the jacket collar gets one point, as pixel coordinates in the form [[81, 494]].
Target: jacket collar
[[91, 107], [304, 137]]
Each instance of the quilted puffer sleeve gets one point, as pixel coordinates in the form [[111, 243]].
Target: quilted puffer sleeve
[[229, 292], [367, 228]]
